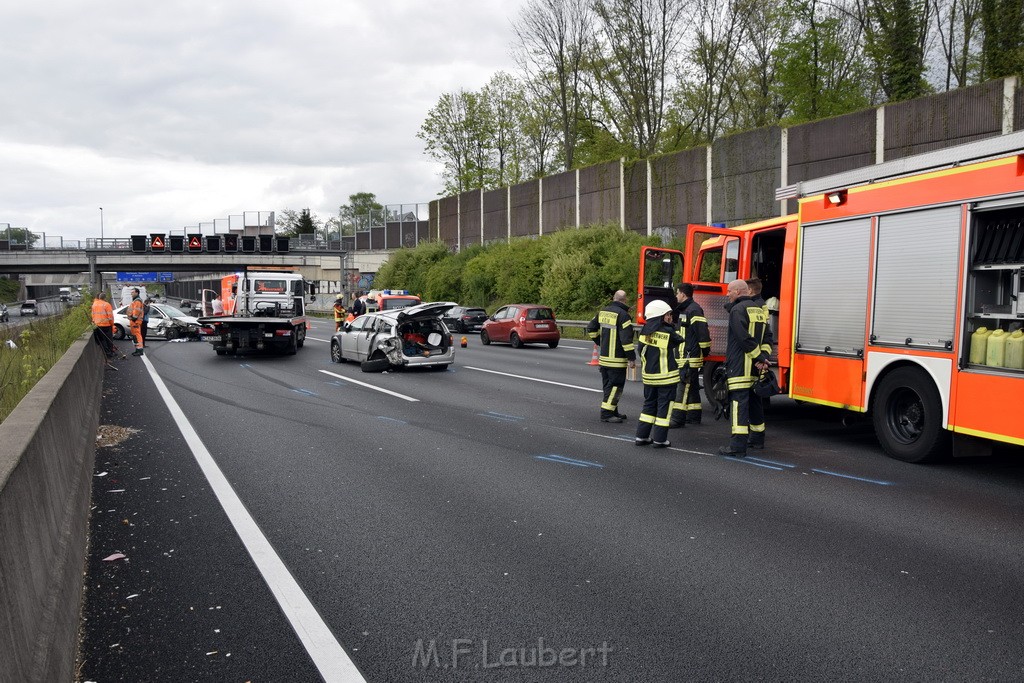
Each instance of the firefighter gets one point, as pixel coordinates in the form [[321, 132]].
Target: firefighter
[[612, 332], [687, 408], [659, 363], [754, 284], [136, 311], [339, 312], [745, 358]]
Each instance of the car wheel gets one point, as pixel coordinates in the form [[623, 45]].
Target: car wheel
[[119, 332], [336, 356], [484, 339], [516, 342], [553, 344], [221, 352], [170, 333], [375, 364]]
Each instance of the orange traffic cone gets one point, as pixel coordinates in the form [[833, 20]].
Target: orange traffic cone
[[594, 360]]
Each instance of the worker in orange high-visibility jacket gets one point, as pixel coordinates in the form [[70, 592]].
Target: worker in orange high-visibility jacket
[[339, 312], [103, 319], [136, 311]]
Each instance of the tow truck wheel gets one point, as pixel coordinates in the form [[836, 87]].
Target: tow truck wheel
[[302, 337], [293, 345], [907, 416]]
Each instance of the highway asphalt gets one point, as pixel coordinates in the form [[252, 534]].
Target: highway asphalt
[[481, 523]]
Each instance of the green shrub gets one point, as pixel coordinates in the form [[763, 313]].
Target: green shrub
[[40, 345]]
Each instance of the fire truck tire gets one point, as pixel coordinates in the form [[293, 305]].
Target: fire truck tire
[[907, 416], [375, 364]]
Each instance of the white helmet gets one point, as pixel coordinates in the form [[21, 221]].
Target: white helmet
[[656, 309]]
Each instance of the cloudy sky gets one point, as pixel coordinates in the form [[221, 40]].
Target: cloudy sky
[[168, 114]]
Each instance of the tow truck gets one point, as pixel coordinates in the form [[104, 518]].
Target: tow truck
[[262, 310]]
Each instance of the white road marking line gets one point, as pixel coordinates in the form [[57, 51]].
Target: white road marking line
[[326, 341], [330, 658], [532, 379], [370, 386]]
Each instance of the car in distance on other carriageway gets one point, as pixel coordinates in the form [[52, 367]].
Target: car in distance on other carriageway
[[409, 337]]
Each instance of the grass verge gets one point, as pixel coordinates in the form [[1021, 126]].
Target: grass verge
[[40, 344]]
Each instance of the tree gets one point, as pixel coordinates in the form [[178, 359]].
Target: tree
[[455, 133], [554, 37], [291, 223], [539, 129], [639, 39], [19, 236], [764, 27], [895, 36], [359, 213], [958, 23], [1003, 46], [504, 106], [819, 74]]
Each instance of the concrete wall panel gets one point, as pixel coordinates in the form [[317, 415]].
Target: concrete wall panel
[[495, 215], [745, 173], [943, 120], [524, 209], [679, 189], [448, 221], [636, 197], [470, 219], [833, 145], [599, 194]]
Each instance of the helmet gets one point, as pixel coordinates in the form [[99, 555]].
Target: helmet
[[339, 297], [656, 309]]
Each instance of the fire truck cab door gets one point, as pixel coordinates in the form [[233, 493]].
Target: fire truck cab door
[[660, 270], [714, 258]]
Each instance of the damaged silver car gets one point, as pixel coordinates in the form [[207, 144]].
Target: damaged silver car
[[407, 337]]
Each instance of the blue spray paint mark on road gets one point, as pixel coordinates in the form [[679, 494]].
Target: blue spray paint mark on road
[[855, 478], [391, 419], [568, 461], [304, 392], [756, 464], [501, 416], [771, 462]]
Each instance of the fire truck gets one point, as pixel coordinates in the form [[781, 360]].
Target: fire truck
[[262, 310], [895, 290]]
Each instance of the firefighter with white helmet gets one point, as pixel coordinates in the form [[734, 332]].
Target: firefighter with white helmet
[[659, 363]]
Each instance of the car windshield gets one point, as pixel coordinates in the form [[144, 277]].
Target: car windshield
[[172, 312], [475, 311], [539, 314]]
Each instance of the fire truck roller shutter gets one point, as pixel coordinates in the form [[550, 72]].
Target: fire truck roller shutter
[[834, 287], [916, 278]]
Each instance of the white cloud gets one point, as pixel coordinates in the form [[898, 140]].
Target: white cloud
[[168, 114]]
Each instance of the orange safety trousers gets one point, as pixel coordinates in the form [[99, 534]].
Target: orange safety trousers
[[137, 333]]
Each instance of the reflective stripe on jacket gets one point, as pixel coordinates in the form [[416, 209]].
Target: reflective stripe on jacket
[[612, 330], [135, 311], [698, 336], [744, 347], [102, 313], [659, 353]]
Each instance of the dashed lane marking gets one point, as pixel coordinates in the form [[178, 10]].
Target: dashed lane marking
[[329, 657], [532, 379], [370, 386]]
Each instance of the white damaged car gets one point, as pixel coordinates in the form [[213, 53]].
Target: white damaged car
[[407, 337]]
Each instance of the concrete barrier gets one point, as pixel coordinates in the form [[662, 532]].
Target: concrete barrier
[[47, 447]]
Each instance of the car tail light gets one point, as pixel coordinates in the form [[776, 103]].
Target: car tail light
[[283, 333], [206, 330]]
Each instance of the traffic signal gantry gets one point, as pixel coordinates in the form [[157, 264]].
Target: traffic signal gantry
[[227, 243]]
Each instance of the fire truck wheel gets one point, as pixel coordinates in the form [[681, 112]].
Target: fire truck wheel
[[376, 364], [907, 416]]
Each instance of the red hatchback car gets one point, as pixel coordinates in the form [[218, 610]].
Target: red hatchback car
[[520, 324]]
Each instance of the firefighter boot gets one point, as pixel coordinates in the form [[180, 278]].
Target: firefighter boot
[[737, 447], [756, 441], [693, 417]]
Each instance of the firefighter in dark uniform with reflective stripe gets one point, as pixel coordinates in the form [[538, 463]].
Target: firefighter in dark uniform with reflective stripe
[[690, 316], [612, 332], [659, 364], [754, 285], [745, 358]]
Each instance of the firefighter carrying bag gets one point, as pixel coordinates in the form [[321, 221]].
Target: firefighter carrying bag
[[766, 385]]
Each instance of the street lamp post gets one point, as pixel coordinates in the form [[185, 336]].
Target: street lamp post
[[101, 227]]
